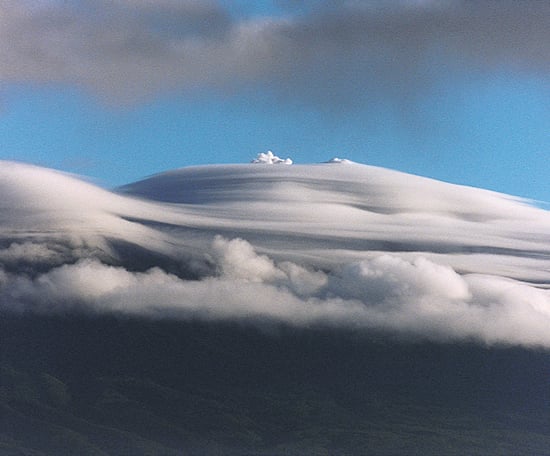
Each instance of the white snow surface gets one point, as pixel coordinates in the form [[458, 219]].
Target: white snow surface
[[352, 246]]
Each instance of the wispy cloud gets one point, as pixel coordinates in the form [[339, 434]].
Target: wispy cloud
[[346, 52]]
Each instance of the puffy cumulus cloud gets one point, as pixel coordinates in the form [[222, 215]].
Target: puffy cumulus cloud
[[238, 260], [385, 292], [343, 52], [269, 158], [43, 254], [388, 278], [29, 251]]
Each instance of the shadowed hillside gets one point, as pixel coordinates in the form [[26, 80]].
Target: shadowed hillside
[[85, 385]]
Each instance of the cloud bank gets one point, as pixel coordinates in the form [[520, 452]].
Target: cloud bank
[[418, 297], [326, 245], [343, 52]]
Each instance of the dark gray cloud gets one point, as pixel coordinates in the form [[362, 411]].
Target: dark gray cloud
[[344, 51]]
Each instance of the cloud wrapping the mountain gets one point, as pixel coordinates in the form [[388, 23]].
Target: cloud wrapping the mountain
[[326, 245], [417, 298], [344, 53]]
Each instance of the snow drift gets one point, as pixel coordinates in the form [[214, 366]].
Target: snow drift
[[326, 245]]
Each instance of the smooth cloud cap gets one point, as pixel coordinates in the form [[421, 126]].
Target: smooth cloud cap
[[306, 245]]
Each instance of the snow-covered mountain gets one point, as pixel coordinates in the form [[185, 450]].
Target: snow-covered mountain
[[337, 243]]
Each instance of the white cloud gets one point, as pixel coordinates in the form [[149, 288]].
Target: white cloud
[[347, 246], [269, 158], [417, 298], [237, 260], [387, 278], [340, 161], [30, 252]]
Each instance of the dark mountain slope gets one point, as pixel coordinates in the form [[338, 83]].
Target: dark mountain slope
[[85, 385]]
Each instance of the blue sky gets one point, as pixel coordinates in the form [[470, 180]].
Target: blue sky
[[457, 91]]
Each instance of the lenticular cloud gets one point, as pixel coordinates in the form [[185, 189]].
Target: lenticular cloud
[[323, 245]]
